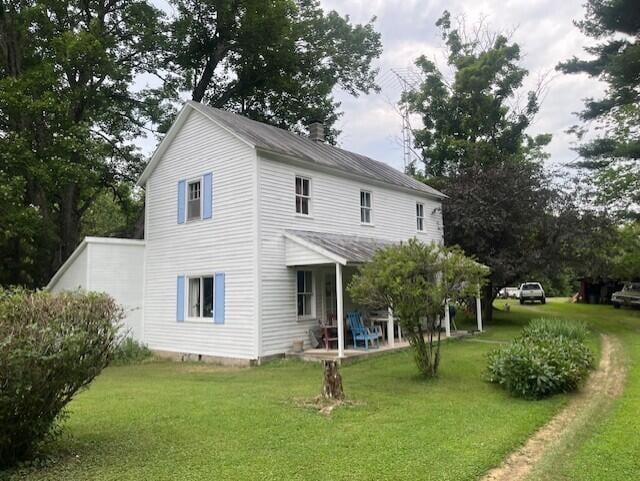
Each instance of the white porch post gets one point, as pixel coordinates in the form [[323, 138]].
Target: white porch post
[[447, 320], [390, 338], [479, 313], [340, 309]]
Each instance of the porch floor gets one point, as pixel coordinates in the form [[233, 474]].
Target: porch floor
[[350, 354]]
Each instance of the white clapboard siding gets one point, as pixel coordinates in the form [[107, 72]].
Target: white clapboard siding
[[225, 243], [335, 207], [113, 266]]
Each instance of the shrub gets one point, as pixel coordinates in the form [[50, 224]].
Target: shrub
[[556, 328], [130, 351], [51, 346], [546, 359]]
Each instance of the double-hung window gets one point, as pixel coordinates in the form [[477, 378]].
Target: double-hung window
[[303, 195], [193, 200], [365, 207], [420, 216], [201, 297], [304, 293]]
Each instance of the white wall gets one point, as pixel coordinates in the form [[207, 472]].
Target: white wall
[[118, 270], [75, 274], [113, 266], [225, 243], [335, 208]]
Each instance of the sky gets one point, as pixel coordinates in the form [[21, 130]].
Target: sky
[[371, 124], [544, 29]]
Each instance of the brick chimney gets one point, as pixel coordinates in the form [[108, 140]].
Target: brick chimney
[[316, 131]]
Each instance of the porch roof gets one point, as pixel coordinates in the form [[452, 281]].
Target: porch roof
[[307, 247]]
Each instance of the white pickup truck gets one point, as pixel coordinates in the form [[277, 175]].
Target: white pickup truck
[[532, 291]]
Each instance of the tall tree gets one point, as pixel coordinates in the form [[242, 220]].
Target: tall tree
[[476, 150], [274, 61], [67, 119], [614, 154]]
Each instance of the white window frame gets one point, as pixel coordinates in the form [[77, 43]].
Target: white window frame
[[186, 199], [312, 296], [420, 216], [308, 197], [187, 304], [364, 208]]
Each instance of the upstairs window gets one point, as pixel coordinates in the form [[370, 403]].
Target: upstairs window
[[365, 207], [304, 292], [303, 195], [193, 200], [201, 297], [420, 217]]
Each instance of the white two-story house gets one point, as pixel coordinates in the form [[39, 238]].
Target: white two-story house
[[251, 236]]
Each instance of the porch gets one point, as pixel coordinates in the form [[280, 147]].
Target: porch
[[324, 264], [350, 354]]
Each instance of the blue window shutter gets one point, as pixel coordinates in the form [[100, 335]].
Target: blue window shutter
[[218, 313], [182, 199], [207, 196], [180, 299]]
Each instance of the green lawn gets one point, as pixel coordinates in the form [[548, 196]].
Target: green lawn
[[608, 447], [166, 421]]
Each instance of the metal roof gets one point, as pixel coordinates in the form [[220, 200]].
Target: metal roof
[[279, 141], [353, 249]]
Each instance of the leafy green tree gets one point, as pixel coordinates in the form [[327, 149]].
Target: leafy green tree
[[274, 61], [68, 119], [476, 150], [416, 280], [614, 154], [117, 212], [625, 253]]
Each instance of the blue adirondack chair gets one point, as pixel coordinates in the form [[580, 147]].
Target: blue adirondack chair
[[361, 333]]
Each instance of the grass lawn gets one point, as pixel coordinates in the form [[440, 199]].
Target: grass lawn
[[608, 447], [166, 421]]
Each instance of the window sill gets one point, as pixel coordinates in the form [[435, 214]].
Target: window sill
[[304, 216], [200, 320], [367, 224]]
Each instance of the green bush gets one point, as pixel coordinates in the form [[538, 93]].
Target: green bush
[[130, 351], [51, 346], [556, 328], [547, 358]]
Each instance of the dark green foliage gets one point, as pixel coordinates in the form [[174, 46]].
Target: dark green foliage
[[614, 155], [51, 346], [68, 119], [416, 280], [276, 62], [549, 357], [130, 351], [476, 150]]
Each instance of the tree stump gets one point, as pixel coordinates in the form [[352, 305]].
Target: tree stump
[[332, 383]]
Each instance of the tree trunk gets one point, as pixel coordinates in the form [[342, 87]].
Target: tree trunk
[[487, 302], [332, 383], [69, 222]]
